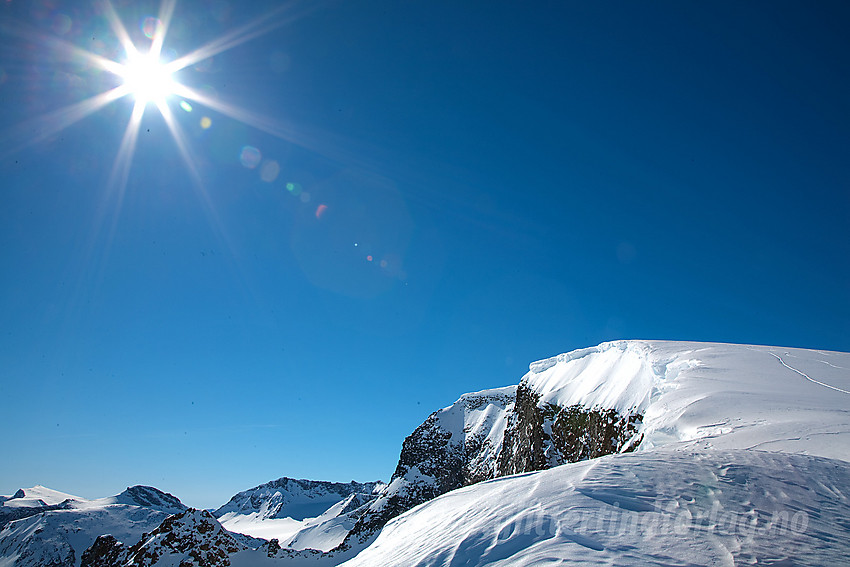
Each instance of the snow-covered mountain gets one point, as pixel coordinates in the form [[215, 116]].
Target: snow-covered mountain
[[57, 532], [628, 453], [299, 513], [704, 417], [37, 496], [710, 395]]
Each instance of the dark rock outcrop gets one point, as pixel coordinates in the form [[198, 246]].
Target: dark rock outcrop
[[194, 538], [151, 497], [445, 453], [541, 436], [106, 551]]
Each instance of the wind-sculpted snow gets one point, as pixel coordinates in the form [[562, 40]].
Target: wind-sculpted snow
[[709, 394], [664, 507]]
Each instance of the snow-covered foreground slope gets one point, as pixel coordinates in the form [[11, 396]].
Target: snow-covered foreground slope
[[663, 507]]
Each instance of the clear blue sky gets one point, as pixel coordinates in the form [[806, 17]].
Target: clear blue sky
[[526, 181]]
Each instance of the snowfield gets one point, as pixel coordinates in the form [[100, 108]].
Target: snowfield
[[654, 508]]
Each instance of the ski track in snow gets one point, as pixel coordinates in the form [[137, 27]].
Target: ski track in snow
[[806, 376]]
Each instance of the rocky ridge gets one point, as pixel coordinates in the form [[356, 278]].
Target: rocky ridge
[[193, 537], [494, 433]]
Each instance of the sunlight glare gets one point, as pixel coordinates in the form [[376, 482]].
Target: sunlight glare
[[147, 79]]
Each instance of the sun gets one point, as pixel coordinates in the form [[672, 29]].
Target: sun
[[147, 79], [150, 81]]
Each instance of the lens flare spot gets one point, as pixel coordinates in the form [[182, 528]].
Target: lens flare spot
[[369, 258], [206, 122], [305, 197], [294, 188], [320, 210], [269, 171], [185, 106], [61, 24], [250, 157], [151, 27]]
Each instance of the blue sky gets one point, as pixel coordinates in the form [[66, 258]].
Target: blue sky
[[420, 199]]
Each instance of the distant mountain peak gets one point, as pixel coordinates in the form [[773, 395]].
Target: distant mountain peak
[[150, 497], [39, 495], [294, 498]]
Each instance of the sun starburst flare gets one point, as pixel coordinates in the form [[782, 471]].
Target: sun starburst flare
[[150, 80]]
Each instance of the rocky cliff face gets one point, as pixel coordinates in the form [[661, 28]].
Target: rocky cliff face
[[485, 435], [453, 447], [543, 435]]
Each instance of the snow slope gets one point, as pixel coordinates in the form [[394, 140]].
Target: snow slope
[[701, 488], [663, 507]]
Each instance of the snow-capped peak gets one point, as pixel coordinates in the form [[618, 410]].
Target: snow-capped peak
[[39, 496], [721, 395], [145, 496]]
